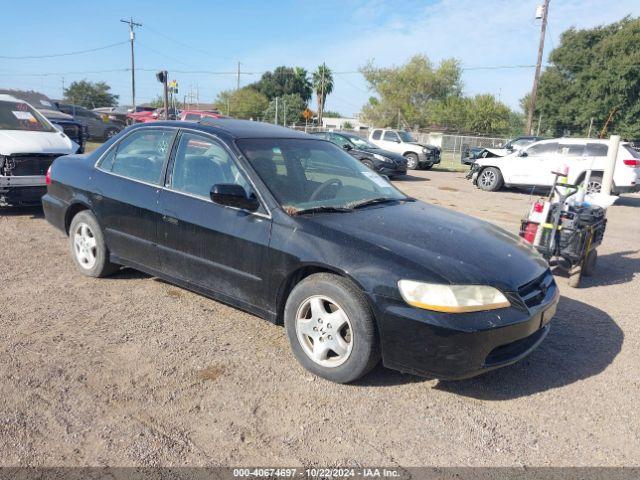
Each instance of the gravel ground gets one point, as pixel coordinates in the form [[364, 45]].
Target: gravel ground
[[130, 370]]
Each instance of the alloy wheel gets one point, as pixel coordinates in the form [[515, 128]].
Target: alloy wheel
[[593, 187], [85, 246], [324, 331], [487, 178]]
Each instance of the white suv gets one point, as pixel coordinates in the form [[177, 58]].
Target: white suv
[[533, 166], [418, 155]]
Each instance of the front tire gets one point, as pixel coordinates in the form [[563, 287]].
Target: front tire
[[490, 179], [88, 249], [412, 161], [331, 328]]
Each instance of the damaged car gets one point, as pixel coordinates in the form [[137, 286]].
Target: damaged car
[[293, 229], [29, 144], [471, 154]]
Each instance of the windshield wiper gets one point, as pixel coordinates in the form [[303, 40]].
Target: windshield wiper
[[322, 208], [374, 201]]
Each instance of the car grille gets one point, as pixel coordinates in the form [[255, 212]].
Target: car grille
[[29, 164], [533, 293]]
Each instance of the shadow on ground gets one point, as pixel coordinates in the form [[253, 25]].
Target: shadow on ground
[[614, 269], [582, 342], [410, 178], [628, 201], [33, 212]]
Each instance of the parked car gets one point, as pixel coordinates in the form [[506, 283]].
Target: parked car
[[99, 127], [196, 115], [293, 229], [381, 161], [117, 115], [28, 145], [534, 165], [515, 144], [71, 128], [144, 116], [418, 155]]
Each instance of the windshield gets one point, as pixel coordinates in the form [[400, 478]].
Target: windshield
[[20, 116], [313, 174], [406, 137], [361, 143]]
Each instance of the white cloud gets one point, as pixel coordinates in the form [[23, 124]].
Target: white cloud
[[479, 33]]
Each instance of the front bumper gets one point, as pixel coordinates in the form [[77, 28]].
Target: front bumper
[[392, 170], [457, 346], [429, 158]]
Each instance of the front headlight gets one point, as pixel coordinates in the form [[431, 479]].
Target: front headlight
[[381, 158], [425, 150], [451, 298]]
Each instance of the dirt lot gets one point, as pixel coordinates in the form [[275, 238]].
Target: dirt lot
[[132, 371]]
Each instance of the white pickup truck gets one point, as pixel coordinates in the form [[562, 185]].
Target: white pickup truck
[[533, 165], [418, 155]]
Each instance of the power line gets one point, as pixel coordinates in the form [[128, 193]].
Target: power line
[[54, 55]]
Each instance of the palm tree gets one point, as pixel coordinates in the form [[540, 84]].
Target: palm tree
[[323, 86], [302, 79]]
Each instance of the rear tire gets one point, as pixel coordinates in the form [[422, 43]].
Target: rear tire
[[412, 161], [595, 184], [88, 249], [490, 179], [331, 328]]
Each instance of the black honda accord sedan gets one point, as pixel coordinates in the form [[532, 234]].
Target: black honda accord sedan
[[293, 229]]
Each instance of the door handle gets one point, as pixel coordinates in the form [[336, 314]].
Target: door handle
[[173, 221]]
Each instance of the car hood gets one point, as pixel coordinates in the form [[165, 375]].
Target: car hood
[[55, 114], [499, 152], [447, 246], [427, 145], [14, 142]]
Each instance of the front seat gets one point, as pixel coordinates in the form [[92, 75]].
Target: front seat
[[199, 174]]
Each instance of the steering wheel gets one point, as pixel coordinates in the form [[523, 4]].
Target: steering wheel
[[322, 187]]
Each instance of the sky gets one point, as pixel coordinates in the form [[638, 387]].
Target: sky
[[200, 42]]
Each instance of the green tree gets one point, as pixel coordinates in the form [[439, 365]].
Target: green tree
[[283, 81], [90, 94], [592, 72], [244, 103], [322, 80], [290, 108], [347, 126], [331, 114], [410, 91]]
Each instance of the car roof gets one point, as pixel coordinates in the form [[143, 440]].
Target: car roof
[[233, 128], [573, 140]]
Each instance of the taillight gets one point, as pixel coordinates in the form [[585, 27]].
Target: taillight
[[47, 177], [632, 163]]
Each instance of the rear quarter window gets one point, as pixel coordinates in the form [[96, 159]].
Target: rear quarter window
[[596, 150]]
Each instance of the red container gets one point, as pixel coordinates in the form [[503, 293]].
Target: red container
[[528, 231]]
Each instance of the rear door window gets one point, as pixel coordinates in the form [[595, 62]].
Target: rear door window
[[376, 134], [596, 150], [140, 155], [390, 136]]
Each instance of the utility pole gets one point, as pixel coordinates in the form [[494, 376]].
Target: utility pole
[[132, 37], [238, 79], [536, 78], [539, 123], [284, 113], [275, 120], [321, 102]]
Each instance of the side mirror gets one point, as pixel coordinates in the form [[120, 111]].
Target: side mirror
[[347, 147], [522, 153], [233, 195]]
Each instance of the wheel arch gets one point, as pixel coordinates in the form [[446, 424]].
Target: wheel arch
[[73, 209], [411, 151], [298, 275]]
